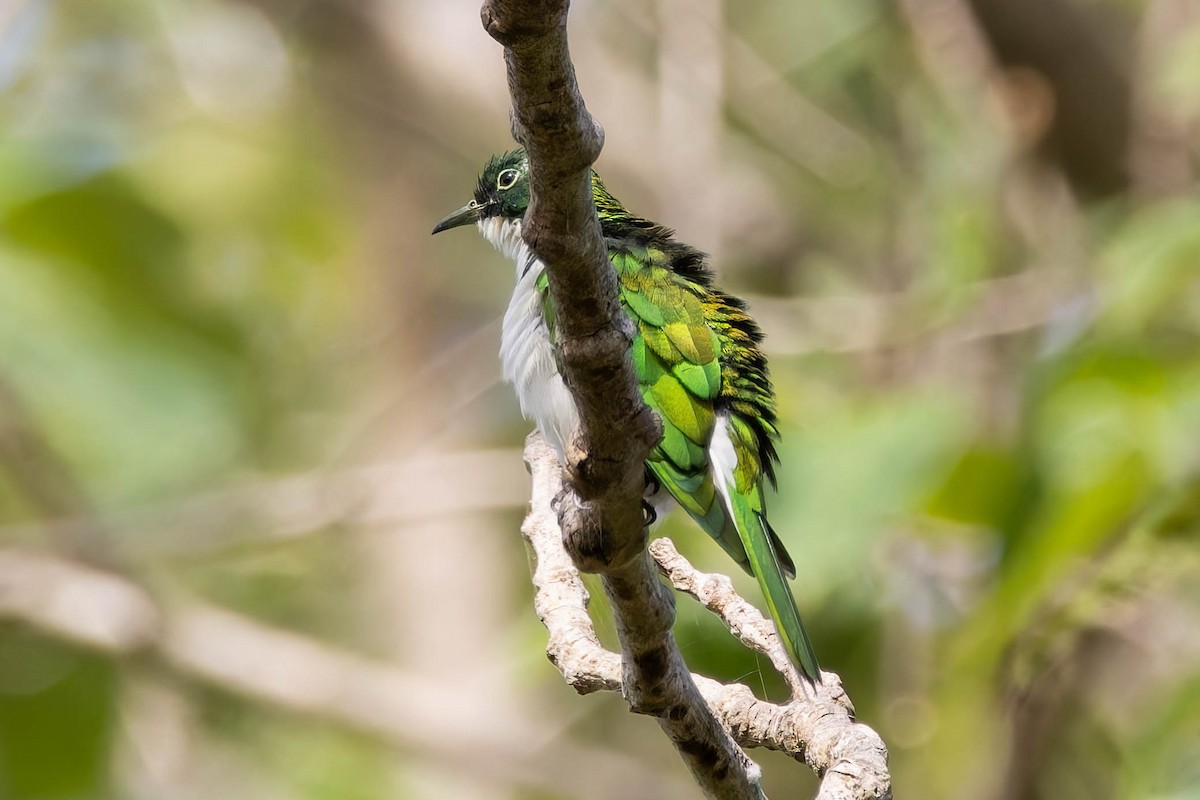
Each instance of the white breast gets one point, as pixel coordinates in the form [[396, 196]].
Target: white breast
[[526, 354]]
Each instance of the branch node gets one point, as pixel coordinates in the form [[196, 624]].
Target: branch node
[[513, 29]]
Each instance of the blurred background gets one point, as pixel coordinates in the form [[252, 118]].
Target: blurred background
[[260, 485]]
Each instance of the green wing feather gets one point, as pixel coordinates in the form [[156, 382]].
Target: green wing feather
[[684, 374], [680, 384]]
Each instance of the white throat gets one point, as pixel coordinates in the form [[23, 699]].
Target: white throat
[[526, 353]]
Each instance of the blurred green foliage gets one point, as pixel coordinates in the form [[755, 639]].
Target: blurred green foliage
[[54, 702], [219, 301]]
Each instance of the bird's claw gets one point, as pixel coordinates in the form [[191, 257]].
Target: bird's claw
[[649, 515], [652, 484]]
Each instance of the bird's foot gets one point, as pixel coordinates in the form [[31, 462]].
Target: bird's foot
[[561, 504]]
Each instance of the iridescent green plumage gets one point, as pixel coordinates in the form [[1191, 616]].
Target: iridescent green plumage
[[699, 366]]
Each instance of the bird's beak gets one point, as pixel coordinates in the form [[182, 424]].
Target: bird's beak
[[467, 215]]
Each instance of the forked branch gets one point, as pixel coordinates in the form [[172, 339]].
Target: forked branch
[[597, 525], [815, 727]]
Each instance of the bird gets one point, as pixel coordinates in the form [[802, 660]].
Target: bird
[[699, 366]]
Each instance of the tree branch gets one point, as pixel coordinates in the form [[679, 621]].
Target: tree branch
[[617, 430], [817, 727], [107, 613], [602, 517]]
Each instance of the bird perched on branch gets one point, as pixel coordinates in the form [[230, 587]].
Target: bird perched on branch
[[698, 364]]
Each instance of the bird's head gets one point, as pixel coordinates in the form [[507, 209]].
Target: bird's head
[[503, 192]]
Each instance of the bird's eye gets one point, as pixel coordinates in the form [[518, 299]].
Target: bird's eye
[[506, 179]]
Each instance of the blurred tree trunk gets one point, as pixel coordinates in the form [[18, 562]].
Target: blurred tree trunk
[[1084, 55]]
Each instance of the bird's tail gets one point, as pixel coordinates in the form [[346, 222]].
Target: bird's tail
[[761, 543]]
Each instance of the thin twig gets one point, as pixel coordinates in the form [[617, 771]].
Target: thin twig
[[108, 613], [817, 727]]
